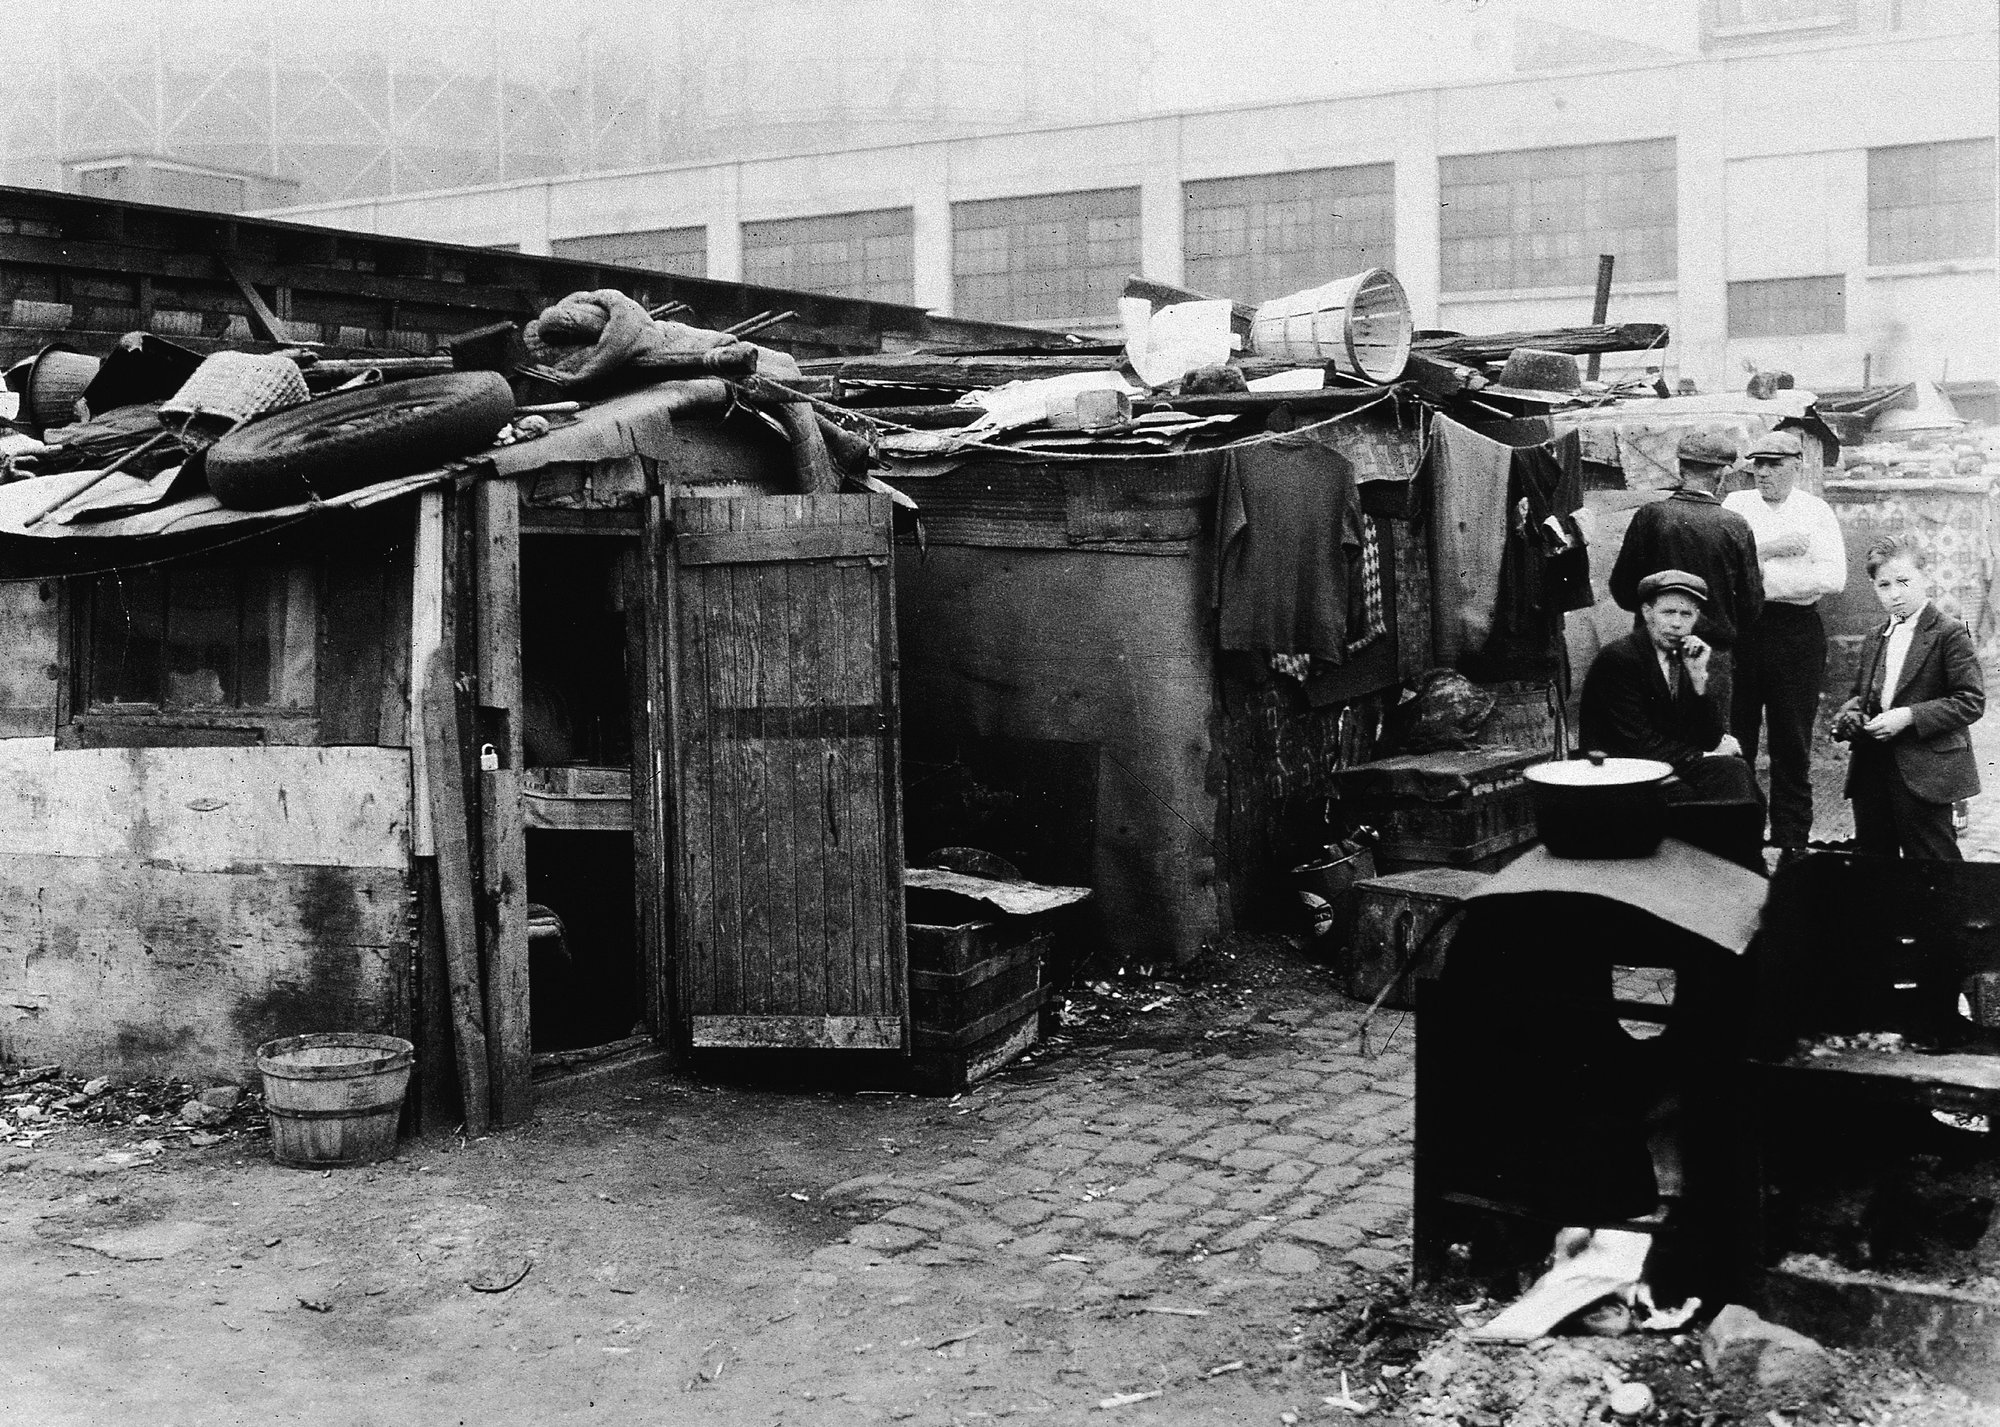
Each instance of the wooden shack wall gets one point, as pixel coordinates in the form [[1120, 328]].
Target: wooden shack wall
[[1110, 653], [166, 909]]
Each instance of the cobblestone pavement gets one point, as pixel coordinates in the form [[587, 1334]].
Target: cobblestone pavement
[[1208, 1173]]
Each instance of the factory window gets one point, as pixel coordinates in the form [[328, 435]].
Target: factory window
[[1254, 238], [1787, 307], [1059, 257], [1779, 14], [865, 255], [1928, 202], [683, 251], [1538, 218]]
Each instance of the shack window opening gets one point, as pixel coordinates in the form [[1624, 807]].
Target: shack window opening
[[234, 637]]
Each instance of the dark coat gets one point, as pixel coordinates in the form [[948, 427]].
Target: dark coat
[[1690, 530], [1942, 687], [1628, 713]]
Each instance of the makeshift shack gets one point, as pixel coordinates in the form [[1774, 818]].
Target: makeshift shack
[[1078, 695], [225, 763]]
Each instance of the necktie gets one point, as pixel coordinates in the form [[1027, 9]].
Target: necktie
[[1878, 676]]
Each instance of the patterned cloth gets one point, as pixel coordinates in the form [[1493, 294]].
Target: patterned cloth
[[1371, 601]]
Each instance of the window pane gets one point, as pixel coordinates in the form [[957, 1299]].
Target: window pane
[[1787, 307], [126, 628], [280, 628], [203, 625], [668, 250], [1545, 215], [204, 637], [867, 255], [1930, 202], [1054, 257], [1265, 235]]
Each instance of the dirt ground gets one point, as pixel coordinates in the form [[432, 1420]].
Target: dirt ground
[[656, 1250]]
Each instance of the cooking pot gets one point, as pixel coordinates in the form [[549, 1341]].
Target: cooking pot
[[1596, 806]]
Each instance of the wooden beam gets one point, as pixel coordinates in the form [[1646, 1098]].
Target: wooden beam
[[661, 673], [1600, 305], [496, 514], [444, 797], [1580, 341], [1241, 314], [263, 321]]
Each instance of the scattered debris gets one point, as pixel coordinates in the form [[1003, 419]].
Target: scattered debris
[[315, 1305], [960, 1336], [1755, 1359], [1126, 1399], [489, 1286], [1234, 1365], [41, 1101]]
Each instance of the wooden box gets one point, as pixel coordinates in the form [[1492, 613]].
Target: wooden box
[[1466, 808], [1392, 916], [975, 1000]]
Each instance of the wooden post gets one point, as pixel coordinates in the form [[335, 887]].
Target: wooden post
[[1600, 305], [647, 629], [496, 515], [444, 796], [809, 453]]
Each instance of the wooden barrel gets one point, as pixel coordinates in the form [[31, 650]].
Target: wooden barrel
[[334, 1099]]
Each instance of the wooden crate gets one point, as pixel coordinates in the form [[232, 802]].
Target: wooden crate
[[975, 1001], [1489, 820], [1467, 808], [1392, 916]]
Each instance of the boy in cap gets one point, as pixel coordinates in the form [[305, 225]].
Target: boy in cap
[[1690, 532], [1781, 660]]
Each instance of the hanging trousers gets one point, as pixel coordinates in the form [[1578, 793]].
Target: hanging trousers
[[1780, 668]]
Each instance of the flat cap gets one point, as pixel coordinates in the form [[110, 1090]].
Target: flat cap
[[1662, 582], [1707, 447], [1776, 445]]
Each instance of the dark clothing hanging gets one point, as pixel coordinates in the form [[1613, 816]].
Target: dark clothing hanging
[[1544, 564], [1290, 534]]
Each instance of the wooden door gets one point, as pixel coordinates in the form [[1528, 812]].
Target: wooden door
[[786, 799]]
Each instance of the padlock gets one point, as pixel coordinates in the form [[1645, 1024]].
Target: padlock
[[489, 758]]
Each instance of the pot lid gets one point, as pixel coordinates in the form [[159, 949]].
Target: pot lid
[[1597, 771]]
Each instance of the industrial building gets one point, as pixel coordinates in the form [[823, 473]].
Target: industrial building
[[1813, 190]]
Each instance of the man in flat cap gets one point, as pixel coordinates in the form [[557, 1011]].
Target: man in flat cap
[[1650, 694], [1689, 531], [1781, 660]]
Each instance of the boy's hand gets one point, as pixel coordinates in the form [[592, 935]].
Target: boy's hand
[[1887, 724]]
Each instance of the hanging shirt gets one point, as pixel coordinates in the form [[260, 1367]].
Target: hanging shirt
[[1799, 546], [1289, 530]]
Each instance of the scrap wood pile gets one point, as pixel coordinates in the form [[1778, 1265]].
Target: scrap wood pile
[[1195, 371], [155, 423]]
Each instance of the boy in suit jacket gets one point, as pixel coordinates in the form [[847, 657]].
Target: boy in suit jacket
[[1917, 690]]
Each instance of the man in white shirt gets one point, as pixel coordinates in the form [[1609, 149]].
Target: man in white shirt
[[1781, 661]]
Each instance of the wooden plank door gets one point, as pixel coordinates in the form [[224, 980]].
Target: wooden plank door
[[787, 804]]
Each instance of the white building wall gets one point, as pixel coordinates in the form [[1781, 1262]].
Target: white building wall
[[1771, 162]]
